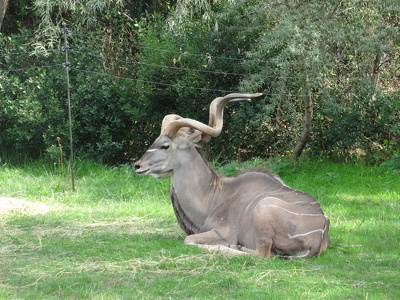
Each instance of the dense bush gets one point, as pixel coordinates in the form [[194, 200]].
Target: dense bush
[[368, 127], [289, 52], [29, 105], [131, 65]]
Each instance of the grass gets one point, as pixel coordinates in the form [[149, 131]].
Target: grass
[[116, 237]]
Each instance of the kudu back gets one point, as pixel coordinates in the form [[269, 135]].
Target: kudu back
[[253, 212]]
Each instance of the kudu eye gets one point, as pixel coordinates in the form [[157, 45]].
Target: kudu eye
[[164, 146]]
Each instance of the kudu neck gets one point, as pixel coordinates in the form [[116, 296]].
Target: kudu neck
[[194, 183], [194, 172]]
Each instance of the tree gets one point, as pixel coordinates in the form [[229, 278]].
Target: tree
[[346, 49], [107, 123], [328, 70], [308, 58], [3, 9], [305, 134]]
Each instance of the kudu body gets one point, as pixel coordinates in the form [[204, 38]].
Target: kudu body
[[254, 211]]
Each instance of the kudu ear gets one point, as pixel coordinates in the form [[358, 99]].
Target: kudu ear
[[195, 137], [186, 138]]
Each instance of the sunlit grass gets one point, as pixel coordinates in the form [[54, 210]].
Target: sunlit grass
[[116, 237]]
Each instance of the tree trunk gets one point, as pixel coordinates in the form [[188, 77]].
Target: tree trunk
[[305, 135], [3, 8], [376, 73]]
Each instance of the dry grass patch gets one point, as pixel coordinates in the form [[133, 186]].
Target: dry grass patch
[[21, 206]]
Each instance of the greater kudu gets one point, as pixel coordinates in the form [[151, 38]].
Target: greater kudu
[[254, 211]]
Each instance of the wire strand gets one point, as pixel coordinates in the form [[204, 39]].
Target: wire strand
[[33, 67], [97, 56], [149, 81]]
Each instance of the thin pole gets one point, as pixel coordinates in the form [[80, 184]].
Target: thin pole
[[65, 48]]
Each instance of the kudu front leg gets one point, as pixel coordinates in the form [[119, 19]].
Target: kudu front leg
[[205, 238], [212, 241]]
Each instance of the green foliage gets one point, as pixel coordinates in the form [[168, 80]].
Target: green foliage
[[110, 123], [19, 16], [368, 124], [104, 116], [28, 108], [168, 76], [273, 164], [33, 107], [131, 64], [392, 164], [347, 65]]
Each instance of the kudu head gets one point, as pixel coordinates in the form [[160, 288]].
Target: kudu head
[[179, 137]]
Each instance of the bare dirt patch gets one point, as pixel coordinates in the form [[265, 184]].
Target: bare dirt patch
[[21, 206]]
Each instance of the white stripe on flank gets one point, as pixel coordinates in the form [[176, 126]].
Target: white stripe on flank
[[310, 215], [303, 234]]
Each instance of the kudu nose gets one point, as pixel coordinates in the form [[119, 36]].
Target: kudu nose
[[136, 166]]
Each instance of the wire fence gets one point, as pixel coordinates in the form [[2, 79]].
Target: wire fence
[[129, 64], [99, 57], [90, 56]]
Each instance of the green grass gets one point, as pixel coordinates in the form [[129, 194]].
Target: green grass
[[116, 237]]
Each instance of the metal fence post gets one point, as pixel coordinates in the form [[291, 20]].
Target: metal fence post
[[66, 65]]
